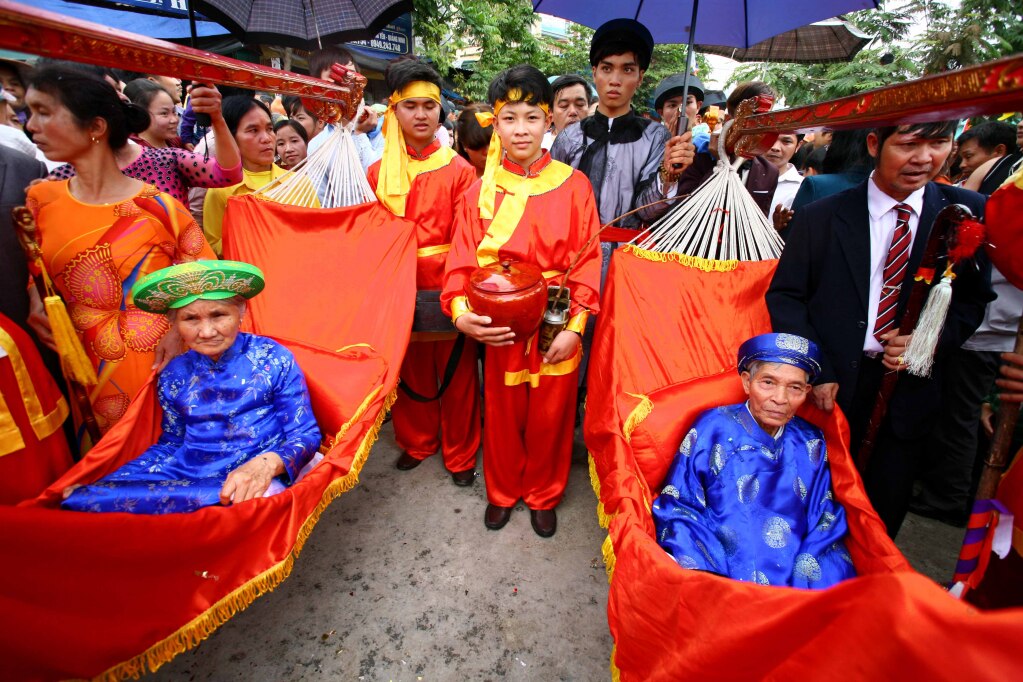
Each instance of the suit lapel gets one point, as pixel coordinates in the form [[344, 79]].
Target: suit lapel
[[934, 201], [3, 169], [852, 228]]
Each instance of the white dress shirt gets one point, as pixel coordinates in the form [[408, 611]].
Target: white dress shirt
[[881, 208], [788, 185]]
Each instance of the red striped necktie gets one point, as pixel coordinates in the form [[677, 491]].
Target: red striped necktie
[[894, 272]]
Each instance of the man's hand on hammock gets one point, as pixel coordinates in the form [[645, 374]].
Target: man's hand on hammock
[[251, 479], [169, 348], [823, 396], [679, 153], [1011, 382], [478, 327], [38, 321], [562, 348]]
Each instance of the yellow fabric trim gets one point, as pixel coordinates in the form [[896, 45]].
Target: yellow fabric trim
[[396, 172], [10, 434], [428, 251], [638, 414], [689, 261], [555, 370], [354, 345], [551, 274], [517, 190], [43, 424], [495, 152], [459, 307], [201, 627], [577, 323]]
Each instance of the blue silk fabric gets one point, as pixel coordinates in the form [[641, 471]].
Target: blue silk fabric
[[739, 503], [217, 415]]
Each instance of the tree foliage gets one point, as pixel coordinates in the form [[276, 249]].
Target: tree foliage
[[501, 31]]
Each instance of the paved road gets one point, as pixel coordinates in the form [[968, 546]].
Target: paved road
[[401, 581]]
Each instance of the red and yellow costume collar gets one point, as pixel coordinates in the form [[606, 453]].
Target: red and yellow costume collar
[[395, 179], [495, 153]]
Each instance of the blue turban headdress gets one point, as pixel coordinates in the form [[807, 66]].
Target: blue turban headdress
[[789, 349]]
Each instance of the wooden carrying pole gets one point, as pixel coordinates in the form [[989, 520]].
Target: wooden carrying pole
[[47, 34], [998, 454]]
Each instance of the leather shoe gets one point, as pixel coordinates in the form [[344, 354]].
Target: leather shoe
[[407, 461], [544, 521], [496, 517], [464, 478]]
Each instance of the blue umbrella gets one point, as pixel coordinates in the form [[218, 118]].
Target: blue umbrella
[[172, 26], [735, 23]]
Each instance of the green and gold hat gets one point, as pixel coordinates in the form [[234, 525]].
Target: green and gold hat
[[179, 285]]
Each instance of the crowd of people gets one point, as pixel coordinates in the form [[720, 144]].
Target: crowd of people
[[126, 178]]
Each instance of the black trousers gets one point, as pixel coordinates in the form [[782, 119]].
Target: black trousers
[[892, 468], [947, 467]]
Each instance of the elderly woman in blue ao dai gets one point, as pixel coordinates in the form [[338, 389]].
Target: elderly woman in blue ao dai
[[236, 412], [749, 494]]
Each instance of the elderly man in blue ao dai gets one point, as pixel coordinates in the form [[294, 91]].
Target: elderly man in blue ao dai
[[236, 411], [749, 494]]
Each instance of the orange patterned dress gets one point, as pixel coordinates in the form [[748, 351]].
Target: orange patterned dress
[[95, 253]]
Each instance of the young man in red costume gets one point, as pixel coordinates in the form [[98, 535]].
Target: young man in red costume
[[530, 208], [420, 179]]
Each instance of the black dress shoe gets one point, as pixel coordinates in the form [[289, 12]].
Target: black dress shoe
[[407, 461], [544, 521], [496, 517], [464, 478]]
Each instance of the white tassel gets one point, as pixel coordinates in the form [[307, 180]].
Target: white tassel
[[923, 344]]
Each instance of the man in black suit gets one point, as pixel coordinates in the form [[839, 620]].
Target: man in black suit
[[17, 170], [843, 281]]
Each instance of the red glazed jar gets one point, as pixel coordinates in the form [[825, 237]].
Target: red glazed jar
[[511, 294]]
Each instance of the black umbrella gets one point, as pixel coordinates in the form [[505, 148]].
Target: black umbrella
[[822, 42], [303, 24]]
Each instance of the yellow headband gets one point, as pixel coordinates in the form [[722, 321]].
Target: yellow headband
[[394, 182], [488, 187]]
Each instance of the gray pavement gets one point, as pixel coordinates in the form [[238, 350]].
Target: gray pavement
[[401, 581]]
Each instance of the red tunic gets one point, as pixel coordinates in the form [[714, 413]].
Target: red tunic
[[33, 450], [530, 406], [451, 424]]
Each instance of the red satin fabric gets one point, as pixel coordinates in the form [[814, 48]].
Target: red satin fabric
[[450, 424], [81, 593], [527, 431], [669, 623], [26, 472], [1003, 216]]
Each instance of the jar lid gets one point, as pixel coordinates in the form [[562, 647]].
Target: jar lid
[[506, 277]]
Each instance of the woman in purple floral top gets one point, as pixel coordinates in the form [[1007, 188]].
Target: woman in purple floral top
[[174, 170]]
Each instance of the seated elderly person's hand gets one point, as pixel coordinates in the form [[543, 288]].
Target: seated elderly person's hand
[[251, 479]]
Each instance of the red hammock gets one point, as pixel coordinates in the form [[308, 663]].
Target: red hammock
[[655, 367], [115, 595]]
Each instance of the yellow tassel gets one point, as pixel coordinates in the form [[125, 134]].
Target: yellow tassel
[[602, 517], [77, 365], [704, 264], [616, 674], [642, 411], [609, 557]]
